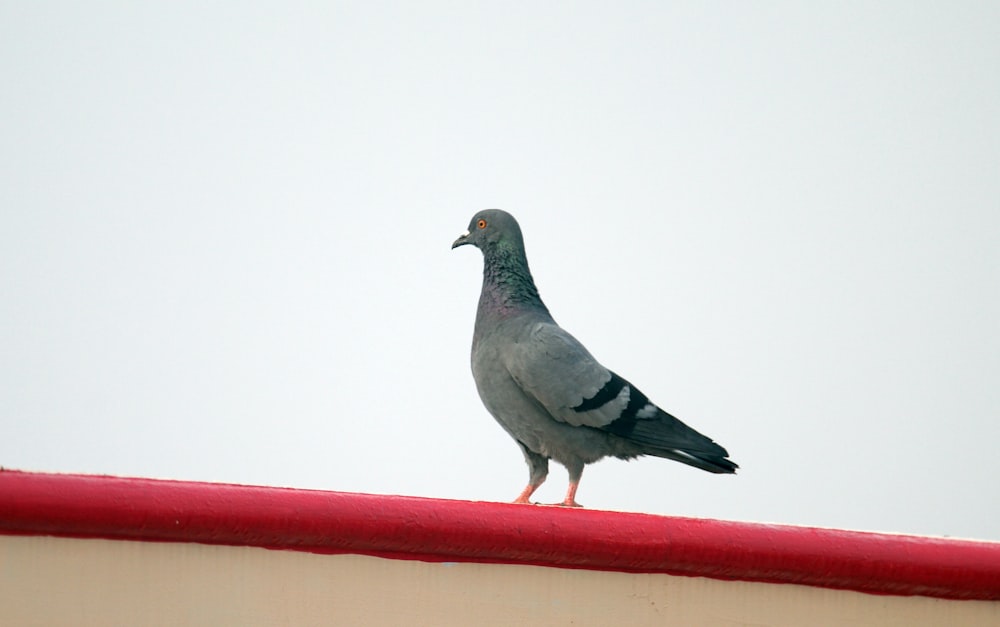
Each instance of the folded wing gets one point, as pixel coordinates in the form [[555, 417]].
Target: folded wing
[[555, 369]]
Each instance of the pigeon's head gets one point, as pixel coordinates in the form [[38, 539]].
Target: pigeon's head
[[490, 227]]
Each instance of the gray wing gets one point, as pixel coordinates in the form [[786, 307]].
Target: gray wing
[[556, 370]]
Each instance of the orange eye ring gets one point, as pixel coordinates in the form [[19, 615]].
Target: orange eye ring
[[481, 224]]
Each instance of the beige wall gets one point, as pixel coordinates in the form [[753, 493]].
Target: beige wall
[[60, 581]]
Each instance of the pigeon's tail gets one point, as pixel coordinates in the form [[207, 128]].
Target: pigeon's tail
[[663, 435], [718, 464]]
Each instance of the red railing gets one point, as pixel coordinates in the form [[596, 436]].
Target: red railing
[[404, 527]]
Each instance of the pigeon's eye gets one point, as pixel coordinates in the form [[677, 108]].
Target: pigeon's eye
[[481, 224]]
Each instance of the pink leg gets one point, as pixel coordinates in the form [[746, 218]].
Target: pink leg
[[570, 500], [525, 496]]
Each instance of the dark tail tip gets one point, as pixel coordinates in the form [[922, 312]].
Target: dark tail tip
[[721, 466]]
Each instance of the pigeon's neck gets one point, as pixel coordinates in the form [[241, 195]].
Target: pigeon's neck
[[508, 288]]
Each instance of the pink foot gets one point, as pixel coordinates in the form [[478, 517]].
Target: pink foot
[[566, 504]]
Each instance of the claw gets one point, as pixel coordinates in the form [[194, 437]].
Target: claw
[[566, 503]]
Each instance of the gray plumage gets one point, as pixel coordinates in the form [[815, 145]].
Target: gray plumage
[[546, 390]]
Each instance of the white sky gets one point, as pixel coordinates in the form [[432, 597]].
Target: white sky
[[225, 231]]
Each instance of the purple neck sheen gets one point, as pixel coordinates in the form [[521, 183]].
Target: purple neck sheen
[[508, 287]]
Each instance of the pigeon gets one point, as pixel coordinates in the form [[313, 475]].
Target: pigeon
[[546, 390]]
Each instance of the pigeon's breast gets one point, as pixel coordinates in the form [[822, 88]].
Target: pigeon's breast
[[522, 416], [519, 414]]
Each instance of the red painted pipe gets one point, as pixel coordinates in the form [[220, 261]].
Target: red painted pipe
[[440, 530]]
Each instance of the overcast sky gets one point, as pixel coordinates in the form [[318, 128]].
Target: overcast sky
[[225, 231]]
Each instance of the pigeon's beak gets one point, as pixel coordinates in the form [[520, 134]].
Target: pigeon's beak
[[462, 240]]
